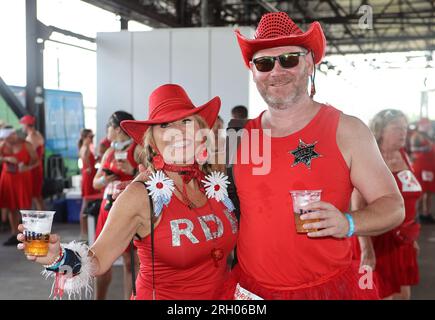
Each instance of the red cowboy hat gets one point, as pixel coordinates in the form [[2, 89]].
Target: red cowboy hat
[[169, 103], [28, 119], [276, 29]]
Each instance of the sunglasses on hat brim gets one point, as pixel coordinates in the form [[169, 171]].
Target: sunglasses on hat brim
[[286, 60]]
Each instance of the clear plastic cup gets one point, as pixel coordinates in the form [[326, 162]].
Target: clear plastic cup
[[301, 198], [37, 229]]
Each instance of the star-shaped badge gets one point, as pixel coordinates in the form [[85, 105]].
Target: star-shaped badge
[[304, 153]]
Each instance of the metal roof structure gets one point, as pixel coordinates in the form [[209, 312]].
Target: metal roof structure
[[351, 26]]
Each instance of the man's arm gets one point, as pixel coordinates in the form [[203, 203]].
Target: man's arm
[[372, 178]]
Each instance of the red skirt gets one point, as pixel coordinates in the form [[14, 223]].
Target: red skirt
[[102, 218], [343, 286], [87, 183], [16, 190], [396, 263], [38, 178]]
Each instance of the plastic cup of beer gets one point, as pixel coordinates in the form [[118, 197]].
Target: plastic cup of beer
[[301, 198], [37, 229]]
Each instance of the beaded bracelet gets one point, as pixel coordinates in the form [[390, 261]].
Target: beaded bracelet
[[56, 261], [351, 225]]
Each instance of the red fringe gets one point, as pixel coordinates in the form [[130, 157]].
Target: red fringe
[[344, 286]]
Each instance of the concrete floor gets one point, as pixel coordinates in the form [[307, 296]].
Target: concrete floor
[[20, 279]]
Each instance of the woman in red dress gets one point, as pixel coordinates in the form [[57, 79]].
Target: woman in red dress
[[88, 173], [423, 158], [119, 164], [37, 141], [393, 255], [18, 159], [194, 225]]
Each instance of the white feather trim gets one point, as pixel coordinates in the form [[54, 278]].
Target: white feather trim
[[73, 286]]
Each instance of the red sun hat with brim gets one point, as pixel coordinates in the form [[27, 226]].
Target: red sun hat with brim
[[28, 119], [169, 103], [277, 29]]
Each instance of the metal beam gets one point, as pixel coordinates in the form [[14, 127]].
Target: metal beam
[[341, 41], [266, 6], [12, 100], [334, 8], [308, 16], [34, 67], [136, 10], [123, 23], [72, 34]]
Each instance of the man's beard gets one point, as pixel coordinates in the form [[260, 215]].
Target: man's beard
[[283, 102]]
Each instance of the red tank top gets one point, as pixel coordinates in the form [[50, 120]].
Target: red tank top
[[411, 191], [110, 163], [184, 269], [91, 159], [22, 156], [40, 151], [268, 247]]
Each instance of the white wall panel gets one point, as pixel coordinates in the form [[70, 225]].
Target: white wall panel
[[151, 67], [205, 61], [190, 62], [114, 81], [229, 78]]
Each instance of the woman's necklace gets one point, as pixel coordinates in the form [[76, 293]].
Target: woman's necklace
[[216, 253]]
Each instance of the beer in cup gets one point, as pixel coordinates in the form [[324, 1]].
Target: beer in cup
[[37, 229], [302, 198]]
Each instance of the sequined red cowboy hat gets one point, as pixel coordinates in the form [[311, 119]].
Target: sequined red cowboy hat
[[169, 103], [276, 29]]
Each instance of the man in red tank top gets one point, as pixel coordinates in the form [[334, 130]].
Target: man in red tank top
[[309, 146], [37, 141]]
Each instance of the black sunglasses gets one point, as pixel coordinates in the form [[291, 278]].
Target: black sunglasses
[[286, 60]]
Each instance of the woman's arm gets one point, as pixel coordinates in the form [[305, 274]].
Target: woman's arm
[[129, 215], [84, 155], [101, 180]]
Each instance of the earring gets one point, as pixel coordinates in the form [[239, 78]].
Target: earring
[[313, 87], [158, 162], [202, 156]]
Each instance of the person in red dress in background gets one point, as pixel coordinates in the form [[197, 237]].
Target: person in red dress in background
[[119, 163], [312, 146], [423, 158], [4, 215], [18, 158], [37, 141], [393, 255], [88, 173], [102, 147]]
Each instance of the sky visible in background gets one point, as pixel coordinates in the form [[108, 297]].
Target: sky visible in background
[[358, 85]]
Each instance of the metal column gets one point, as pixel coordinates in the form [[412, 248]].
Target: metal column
[[35, 67]]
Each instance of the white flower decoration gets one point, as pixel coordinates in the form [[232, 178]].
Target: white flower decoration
[[160, 188], [216, 185]]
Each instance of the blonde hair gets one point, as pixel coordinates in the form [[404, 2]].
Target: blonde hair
[[382, 119], [149, 153]]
